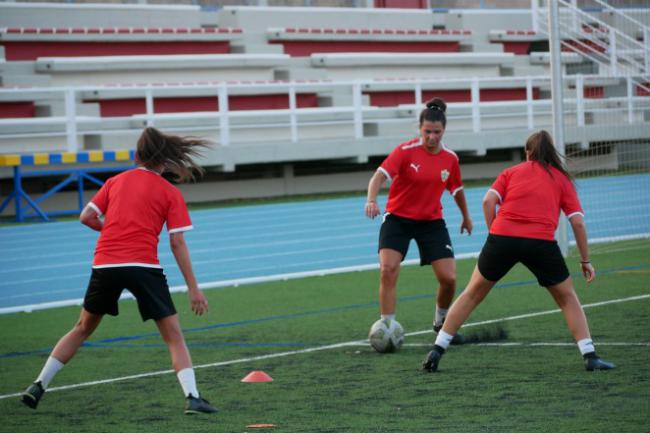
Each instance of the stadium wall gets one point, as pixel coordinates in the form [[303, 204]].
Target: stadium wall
[[97, 15]]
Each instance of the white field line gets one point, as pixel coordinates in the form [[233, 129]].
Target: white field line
[[318, 349], [522, 344]]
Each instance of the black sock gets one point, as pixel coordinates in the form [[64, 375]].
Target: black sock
[[590, 355], [439, 349]]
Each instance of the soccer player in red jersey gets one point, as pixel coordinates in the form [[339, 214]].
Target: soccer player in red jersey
[[420, 170], [135, 205], [530, 196]]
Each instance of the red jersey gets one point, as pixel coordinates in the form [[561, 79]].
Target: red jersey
[[418, 180], [136, 204], [531, 199]]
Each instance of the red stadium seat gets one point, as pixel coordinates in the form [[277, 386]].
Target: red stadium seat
[[303, 42], [22, 44]]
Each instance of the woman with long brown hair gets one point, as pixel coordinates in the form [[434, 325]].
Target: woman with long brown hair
[[135, 205], [530, 196]]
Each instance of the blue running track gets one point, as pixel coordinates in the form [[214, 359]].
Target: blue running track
[[50, 262]]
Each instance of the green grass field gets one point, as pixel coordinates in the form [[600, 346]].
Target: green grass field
[[349, 388]]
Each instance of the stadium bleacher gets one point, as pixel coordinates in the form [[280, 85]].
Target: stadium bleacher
[[524, 41], [317, 84], [344, 66], [151, 69], [307, 41], [22, 43]]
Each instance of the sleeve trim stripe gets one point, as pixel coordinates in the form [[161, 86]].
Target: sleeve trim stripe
[[492, 190], [497, 194], [574, 214], [181, 229], [390, 179], [95, 208], [454, 192]]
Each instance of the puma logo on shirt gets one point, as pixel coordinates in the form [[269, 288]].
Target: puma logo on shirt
[[415, 167]]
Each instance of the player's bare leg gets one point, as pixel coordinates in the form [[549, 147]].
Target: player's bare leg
[[476, 290], [461, 309], [68, 345], [566, 298], [170, 331], [64, 350], [445, 271], [389, 267]]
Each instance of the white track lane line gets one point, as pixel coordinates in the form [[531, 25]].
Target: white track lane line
[[316, 349]]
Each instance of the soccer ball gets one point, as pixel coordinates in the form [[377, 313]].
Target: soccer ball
[[386, 335]]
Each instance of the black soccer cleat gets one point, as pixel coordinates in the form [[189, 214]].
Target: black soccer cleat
[[194, 405], [432, 359], [32, 395], [458, 338], [595, 363]]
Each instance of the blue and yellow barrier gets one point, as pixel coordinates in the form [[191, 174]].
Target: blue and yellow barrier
[[14, 160], [74, 174]]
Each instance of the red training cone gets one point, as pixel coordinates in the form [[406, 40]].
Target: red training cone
[[257, 376]]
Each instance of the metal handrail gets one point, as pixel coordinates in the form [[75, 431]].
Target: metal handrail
[[357, 112]]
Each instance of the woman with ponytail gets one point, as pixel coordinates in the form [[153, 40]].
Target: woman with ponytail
[[135, 205], [420, 170], [530, 196]]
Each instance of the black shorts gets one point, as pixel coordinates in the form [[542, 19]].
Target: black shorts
[[431, 237], [542, 258], [148, 286]]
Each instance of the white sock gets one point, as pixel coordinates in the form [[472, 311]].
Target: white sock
[[441, 313], [443, 339], [51, 367], [188, 382], [586, 345], [388, 316]]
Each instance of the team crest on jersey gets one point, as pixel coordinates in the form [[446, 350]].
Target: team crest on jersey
[[444, 175]]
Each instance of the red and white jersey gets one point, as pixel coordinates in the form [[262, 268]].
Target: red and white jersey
[[531, 198], [136, 204], [418, 180]]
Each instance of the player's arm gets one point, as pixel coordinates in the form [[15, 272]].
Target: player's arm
[[490, 202], [580, 233], [376, 181], [90, 217], [461, 202], [198, 301]]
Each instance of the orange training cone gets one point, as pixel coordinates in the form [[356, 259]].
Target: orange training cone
[[257, 376]]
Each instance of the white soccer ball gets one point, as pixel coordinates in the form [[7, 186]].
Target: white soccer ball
[[386, 335]]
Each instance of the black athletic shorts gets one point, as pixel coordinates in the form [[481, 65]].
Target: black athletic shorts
[[543, 258], [431, 237], [148, 286]]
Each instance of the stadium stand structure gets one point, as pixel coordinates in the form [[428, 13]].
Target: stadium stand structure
[[33, 43], [298, 100], [164, 69], [306, 41]]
